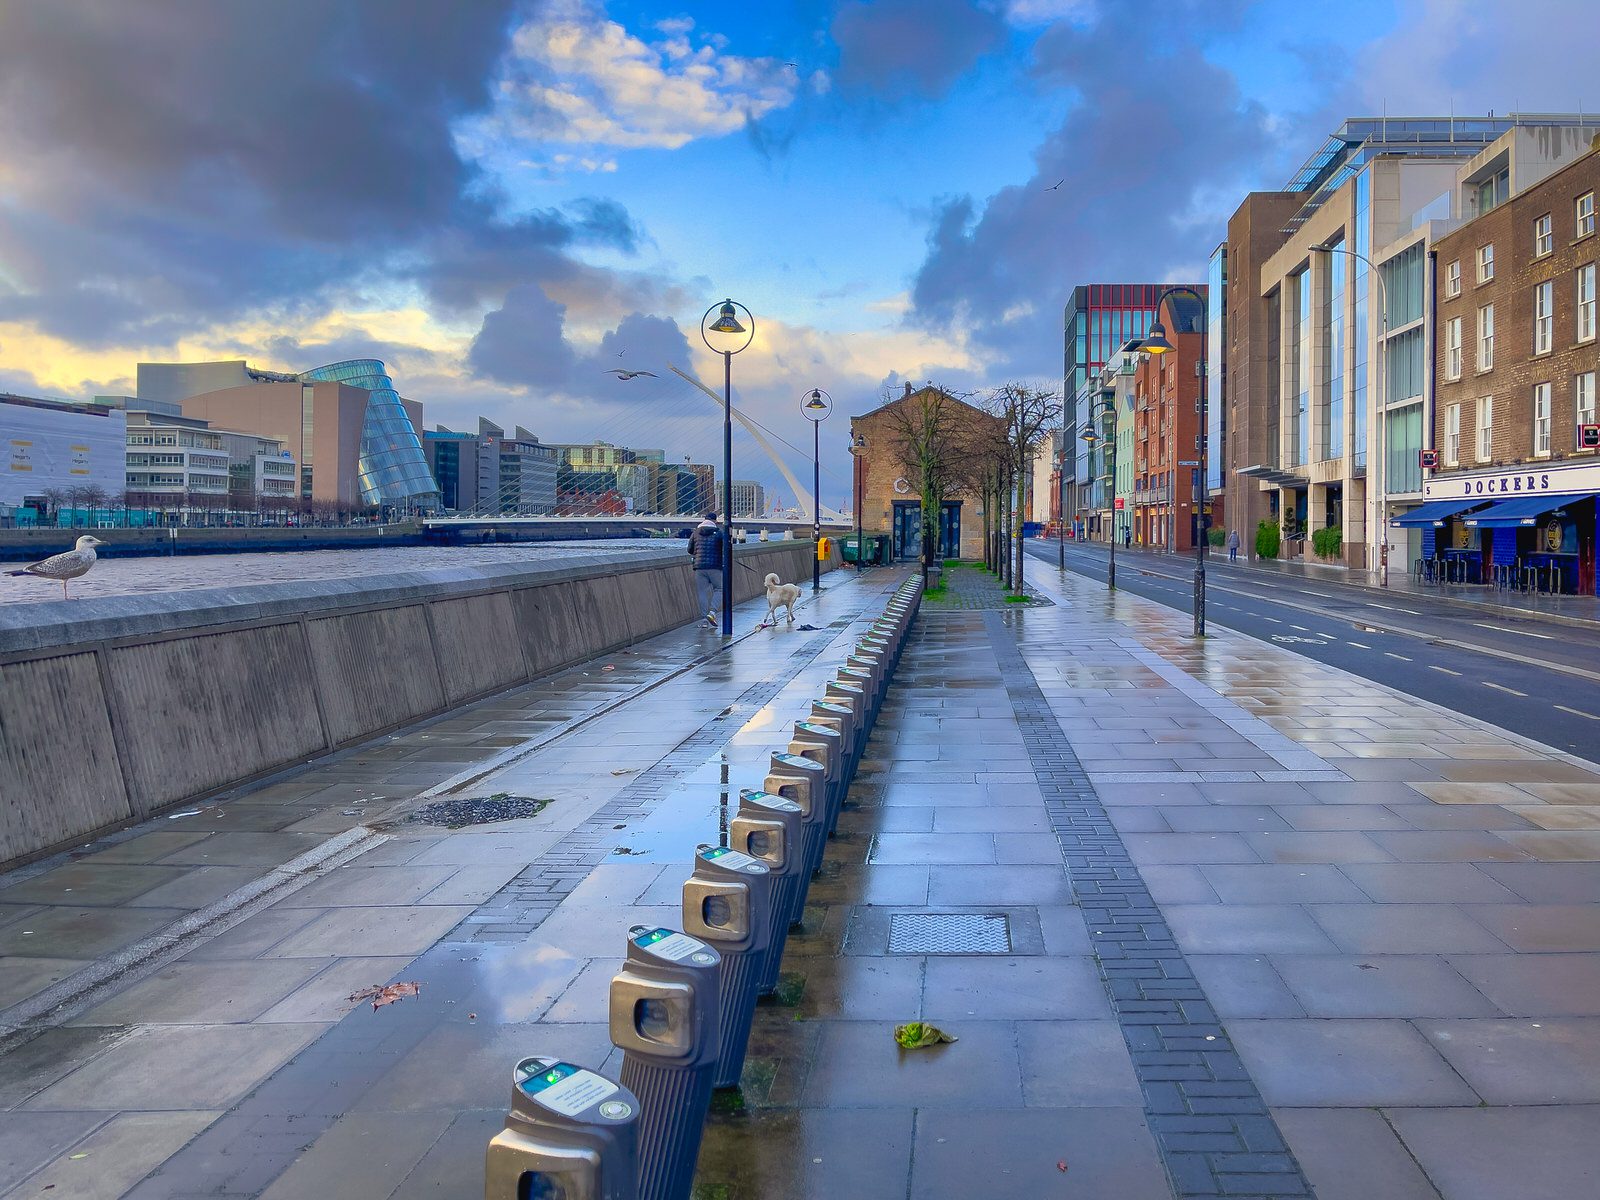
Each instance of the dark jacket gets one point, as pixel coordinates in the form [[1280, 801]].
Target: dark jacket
[[705, 547]]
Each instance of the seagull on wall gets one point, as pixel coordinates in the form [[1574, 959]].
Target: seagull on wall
[[621, 374], [71, 565]]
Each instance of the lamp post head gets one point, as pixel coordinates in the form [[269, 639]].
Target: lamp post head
[[1323, 247], [1089, 435], [817, 406], [727, 320], [1156, 340]]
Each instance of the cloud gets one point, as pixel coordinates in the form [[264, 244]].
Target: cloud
[[890, 48], [575, 78]]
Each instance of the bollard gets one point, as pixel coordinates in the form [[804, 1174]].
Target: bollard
[[664, 1019], [571, 1133], [771, 829], [727, 903], [801, 780]]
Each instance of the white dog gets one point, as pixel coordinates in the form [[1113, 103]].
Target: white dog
[[780, 595]]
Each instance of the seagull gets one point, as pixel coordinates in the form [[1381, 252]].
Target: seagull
[[1055, 185], [73, 563], [621, 374]]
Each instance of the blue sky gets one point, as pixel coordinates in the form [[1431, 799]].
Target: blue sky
[[498, 198]]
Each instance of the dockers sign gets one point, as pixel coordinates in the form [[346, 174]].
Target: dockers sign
[[1536, 480]]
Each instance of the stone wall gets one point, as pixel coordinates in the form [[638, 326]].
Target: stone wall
[[143, 702]]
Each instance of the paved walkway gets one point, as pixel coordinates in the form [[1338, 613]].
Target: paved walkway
[[1268, 928]]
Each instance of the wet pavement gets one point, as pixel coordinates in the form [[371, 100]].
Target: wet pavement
[[1263, 925]]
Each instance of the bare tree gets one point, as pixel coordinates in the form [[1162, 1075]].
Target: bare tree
[[929, 432], [1028, 415]]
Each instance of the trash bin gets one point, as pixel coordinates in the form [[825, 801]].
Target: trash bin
[[772, 829], [847, 547], [727, 903], [664, 1019], [570, 1132]]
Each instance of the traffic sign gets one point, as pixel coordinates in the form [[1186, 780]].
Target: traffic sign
[[1429, 459], [1120, 503], [1589, 437]]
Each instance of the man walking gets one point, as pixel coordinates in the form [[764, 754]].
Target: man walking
[[1233, 545], [706, 550]]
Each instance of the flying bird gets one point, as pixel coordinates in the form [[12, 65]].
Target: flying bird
[[1055, 185], [621, 374], [71, 565]]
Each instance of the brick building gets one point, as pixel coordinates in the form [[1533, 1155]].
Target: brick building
[[1516, 357], [1167, 431], [889, 501]]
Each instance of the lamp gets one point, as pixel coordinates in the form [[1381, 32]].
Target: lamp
[[858, 450], [728, 320], [816, 409], [727, 344], [1156, 340]]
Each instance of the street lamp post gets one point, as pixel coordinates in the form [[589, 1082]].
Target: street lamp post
[[1156, 343], [816, 409], [732, 337], [1106, 407], [858, 450], [1061, 503], [1377, 497]]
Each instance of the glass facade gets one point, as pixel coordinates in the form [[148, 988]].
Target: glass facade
[[1216, 355], [1333, 365], [1360, 283], [391, 468], [1403, 445], [1100, 318], [1300, 370]]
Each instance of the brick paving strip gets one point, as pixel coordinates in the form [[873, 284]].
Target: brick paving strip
[[1210, 1123], [255, 1142]]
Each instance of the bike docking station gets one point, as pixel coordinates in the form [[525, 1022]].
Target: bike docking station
[[727, 903], [770, 828], [571, 1133], [665, 1018], [682, 1004]]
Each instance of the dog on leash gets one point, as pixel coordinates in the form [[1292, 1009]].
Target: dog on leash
[[780, 595]]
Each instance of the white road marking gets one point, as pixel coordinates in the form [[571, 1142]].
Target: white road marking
[[1522, 632], [1359, 645], [1401, 657], [1501, 688], [1301, 628], [1447, 671], [1577, 712], [1274, 620]]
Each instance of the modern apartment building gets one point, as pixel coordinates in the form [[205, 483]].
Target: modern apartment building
[[749, 498], [175, 460], [1167, 431], [1327, 331], [1107, 434], [1515, 424]]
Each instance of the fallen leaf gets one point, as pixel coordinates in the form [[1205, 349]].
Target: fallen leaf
[[625, 770], [386, 993], [608, 667], [472, 1016], [76, 1157], [917, 1034]]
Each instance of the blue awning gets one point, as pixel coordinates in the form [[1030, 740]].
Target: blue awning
[[1523, 511], [1434, 512]]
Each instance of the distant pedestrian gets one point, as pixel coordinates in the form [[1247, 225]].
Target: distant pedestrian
[[1127, 539], [705, 552], [1233, 545]]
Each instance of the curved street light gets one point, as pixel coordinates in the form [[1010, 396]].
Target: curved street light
[[858, 450], [731, 338], [1156, 343], [818, 404]]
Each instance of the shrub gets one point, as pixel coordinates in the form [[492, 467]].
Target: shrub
[[1217, 537], [1329, 542], [1267, 539]]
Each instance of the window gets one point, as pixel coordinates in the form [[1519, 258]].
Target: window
[[1452, 434], [1583, 399], [1585, 313], [1541, 420], [1543, 237], [1544, 320], [1452, 348], [1486, 263], [1452, 279], [1584, 209], [1485, 427], [1486, 338]]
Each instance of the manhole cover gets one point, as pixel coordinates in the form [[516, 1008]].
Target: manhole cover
[[477, 810], [949, 933]]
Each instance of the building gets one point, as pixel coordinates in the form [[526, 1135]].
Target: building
[[356, 441], [683, 489], [1515, 422], [53, 448], [176, 461], [749, 498], [889, 501], [454, 461], [527, 478], [1168, 435], [1109, 407], [1327, 332], [1099, 319]]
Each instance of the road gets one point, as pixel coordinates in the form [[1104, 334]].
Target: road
[[1532, 676]]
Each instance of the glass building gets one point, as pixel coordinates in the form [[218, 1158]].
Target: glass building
[[392, 469]]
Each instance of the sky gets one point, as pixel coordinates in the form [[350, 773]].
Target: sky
[[507, 200]]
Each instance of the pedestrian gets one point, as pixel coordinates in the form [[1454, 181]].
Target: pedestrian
[[1127, 538], [1233, 545], [705, 552]]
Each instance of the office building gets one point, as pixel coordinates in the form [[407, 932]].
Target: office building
[[1168, 435], [749, 498], [175, 461], [53, 447]]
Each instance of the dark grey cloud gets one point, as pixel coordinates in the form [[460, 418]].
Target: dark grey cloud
[[1154, 151], [192, 160], [916, 48]]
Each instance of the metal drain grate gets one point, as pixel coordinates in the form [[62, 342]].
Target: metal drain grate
[[949, 933]]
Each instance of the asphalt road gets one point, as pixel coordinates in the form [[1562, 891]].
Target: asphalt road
[[1534, 677]]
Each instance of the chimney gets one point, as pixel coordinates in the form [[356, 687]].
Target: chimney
[[908, 387]]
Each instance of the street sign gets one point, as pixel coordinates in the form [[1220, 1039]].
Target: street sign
[[1589, 437], [1120, 504], [1188, 462], [1429, 459]]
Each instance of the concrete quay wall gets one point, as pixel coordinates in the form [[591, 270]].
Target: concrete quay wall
[[142, 702]]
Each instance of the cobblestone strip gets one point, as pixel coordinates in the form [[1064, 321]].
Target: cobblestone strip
[[1211, 1126]]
